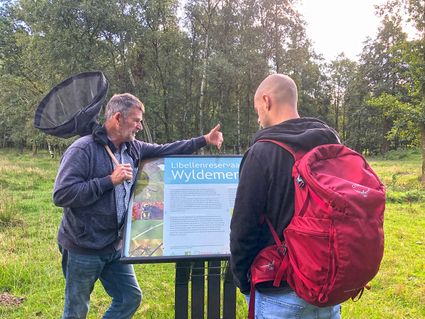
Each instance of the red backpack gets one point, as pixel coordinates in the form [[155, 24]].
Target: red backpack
[[334, 244]]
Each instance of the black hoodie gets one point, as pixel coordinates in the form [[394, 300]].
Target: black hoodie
[[266, 187]]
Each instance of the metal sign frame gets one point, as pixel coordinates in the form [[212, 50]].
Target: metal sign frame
[[206, 171]]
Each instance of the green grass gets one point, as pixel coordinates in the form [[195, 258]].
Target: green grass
[[30, 260]]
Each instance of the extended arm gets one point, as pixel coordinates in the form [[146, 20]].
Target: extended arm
[[214, 137]]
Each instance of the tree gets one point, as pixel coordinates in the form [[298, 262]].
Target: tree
[[341, 73], [412, 55], [383, 70]]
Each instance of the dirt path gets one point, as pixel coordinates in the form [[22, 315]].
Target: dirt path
[[9, 300]]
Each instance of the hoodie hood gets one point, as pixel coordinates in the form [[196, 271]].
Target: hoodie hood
[[100, 136], [301, 133]]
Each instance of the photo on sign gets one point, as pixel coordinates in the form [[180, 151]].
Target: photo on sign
[[147, 211]]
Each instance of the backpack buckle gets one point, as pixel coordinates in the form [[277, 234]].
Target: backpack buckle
[[300, 181], [282, 249]]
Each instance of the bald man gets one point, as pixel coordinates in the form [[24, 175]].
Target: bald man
[[266, 187]]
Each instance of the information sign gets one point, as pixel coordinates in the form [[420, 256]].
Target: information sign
[[181, 209]]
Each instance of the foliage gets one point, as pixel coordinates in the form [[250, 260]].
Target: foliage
[[411, 55], [191, 70], [404, 131], [198, 62], [341, 75]]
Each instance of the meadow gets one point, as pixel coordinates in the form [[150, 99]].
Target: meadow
[[32, 284]]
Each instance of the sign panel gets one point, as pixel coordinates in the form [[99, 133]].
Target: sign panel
[[181, 208]]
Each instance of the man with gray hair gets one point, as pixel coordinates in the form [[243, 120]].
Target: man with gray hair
[[94, 189]]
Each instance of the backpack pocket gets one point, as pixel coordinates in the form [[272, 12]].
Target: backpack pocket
[[310, 252]]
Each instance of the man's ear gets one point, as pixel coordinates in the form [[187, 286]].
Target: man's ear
[[268, 102], [117, 117]]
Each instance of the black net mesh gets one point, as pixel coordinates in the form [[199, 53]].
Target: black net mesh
[[71, 108]]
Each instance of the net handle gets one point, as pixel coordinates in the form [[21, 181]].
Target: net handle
[[112, 156]]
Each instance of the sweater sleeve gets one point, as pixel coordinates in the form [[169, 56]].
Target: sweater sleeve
[[245, 229], [74, 187], [178, 147]]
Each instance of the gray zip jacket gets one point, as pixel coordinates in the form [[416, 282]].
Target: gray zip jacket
[[83, 187]]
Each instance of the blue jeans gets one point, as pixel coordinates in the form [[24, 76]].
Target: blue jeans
[[119, 280], [287, 305]]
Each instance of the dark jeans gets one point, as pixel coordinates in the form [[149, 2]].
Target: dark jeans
[[119, 280]]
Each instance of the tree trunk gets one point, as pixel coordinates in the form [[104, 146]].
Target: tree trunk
[[164, 94], [203, 84], [21, 146], [385, 147], [344, 132], [146, 131], [50, 149], [34, 149], [337, 113], [422, 127], [238, 125]]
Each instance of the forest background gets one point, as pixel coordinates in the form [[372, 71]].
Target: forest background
[[199, 62]]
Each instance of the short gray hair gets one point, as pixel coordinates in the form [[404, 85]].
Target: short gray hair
[[122, 103]]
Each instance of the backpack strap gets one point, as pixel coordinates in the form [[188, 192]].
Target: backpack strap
[[297, 155], [281, 248], [274, 234]]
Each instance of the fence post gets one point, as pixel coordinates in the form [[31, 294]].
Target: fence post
[[181, 297], [214, 280], [229, 295], [195, 272], [198, 289]]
